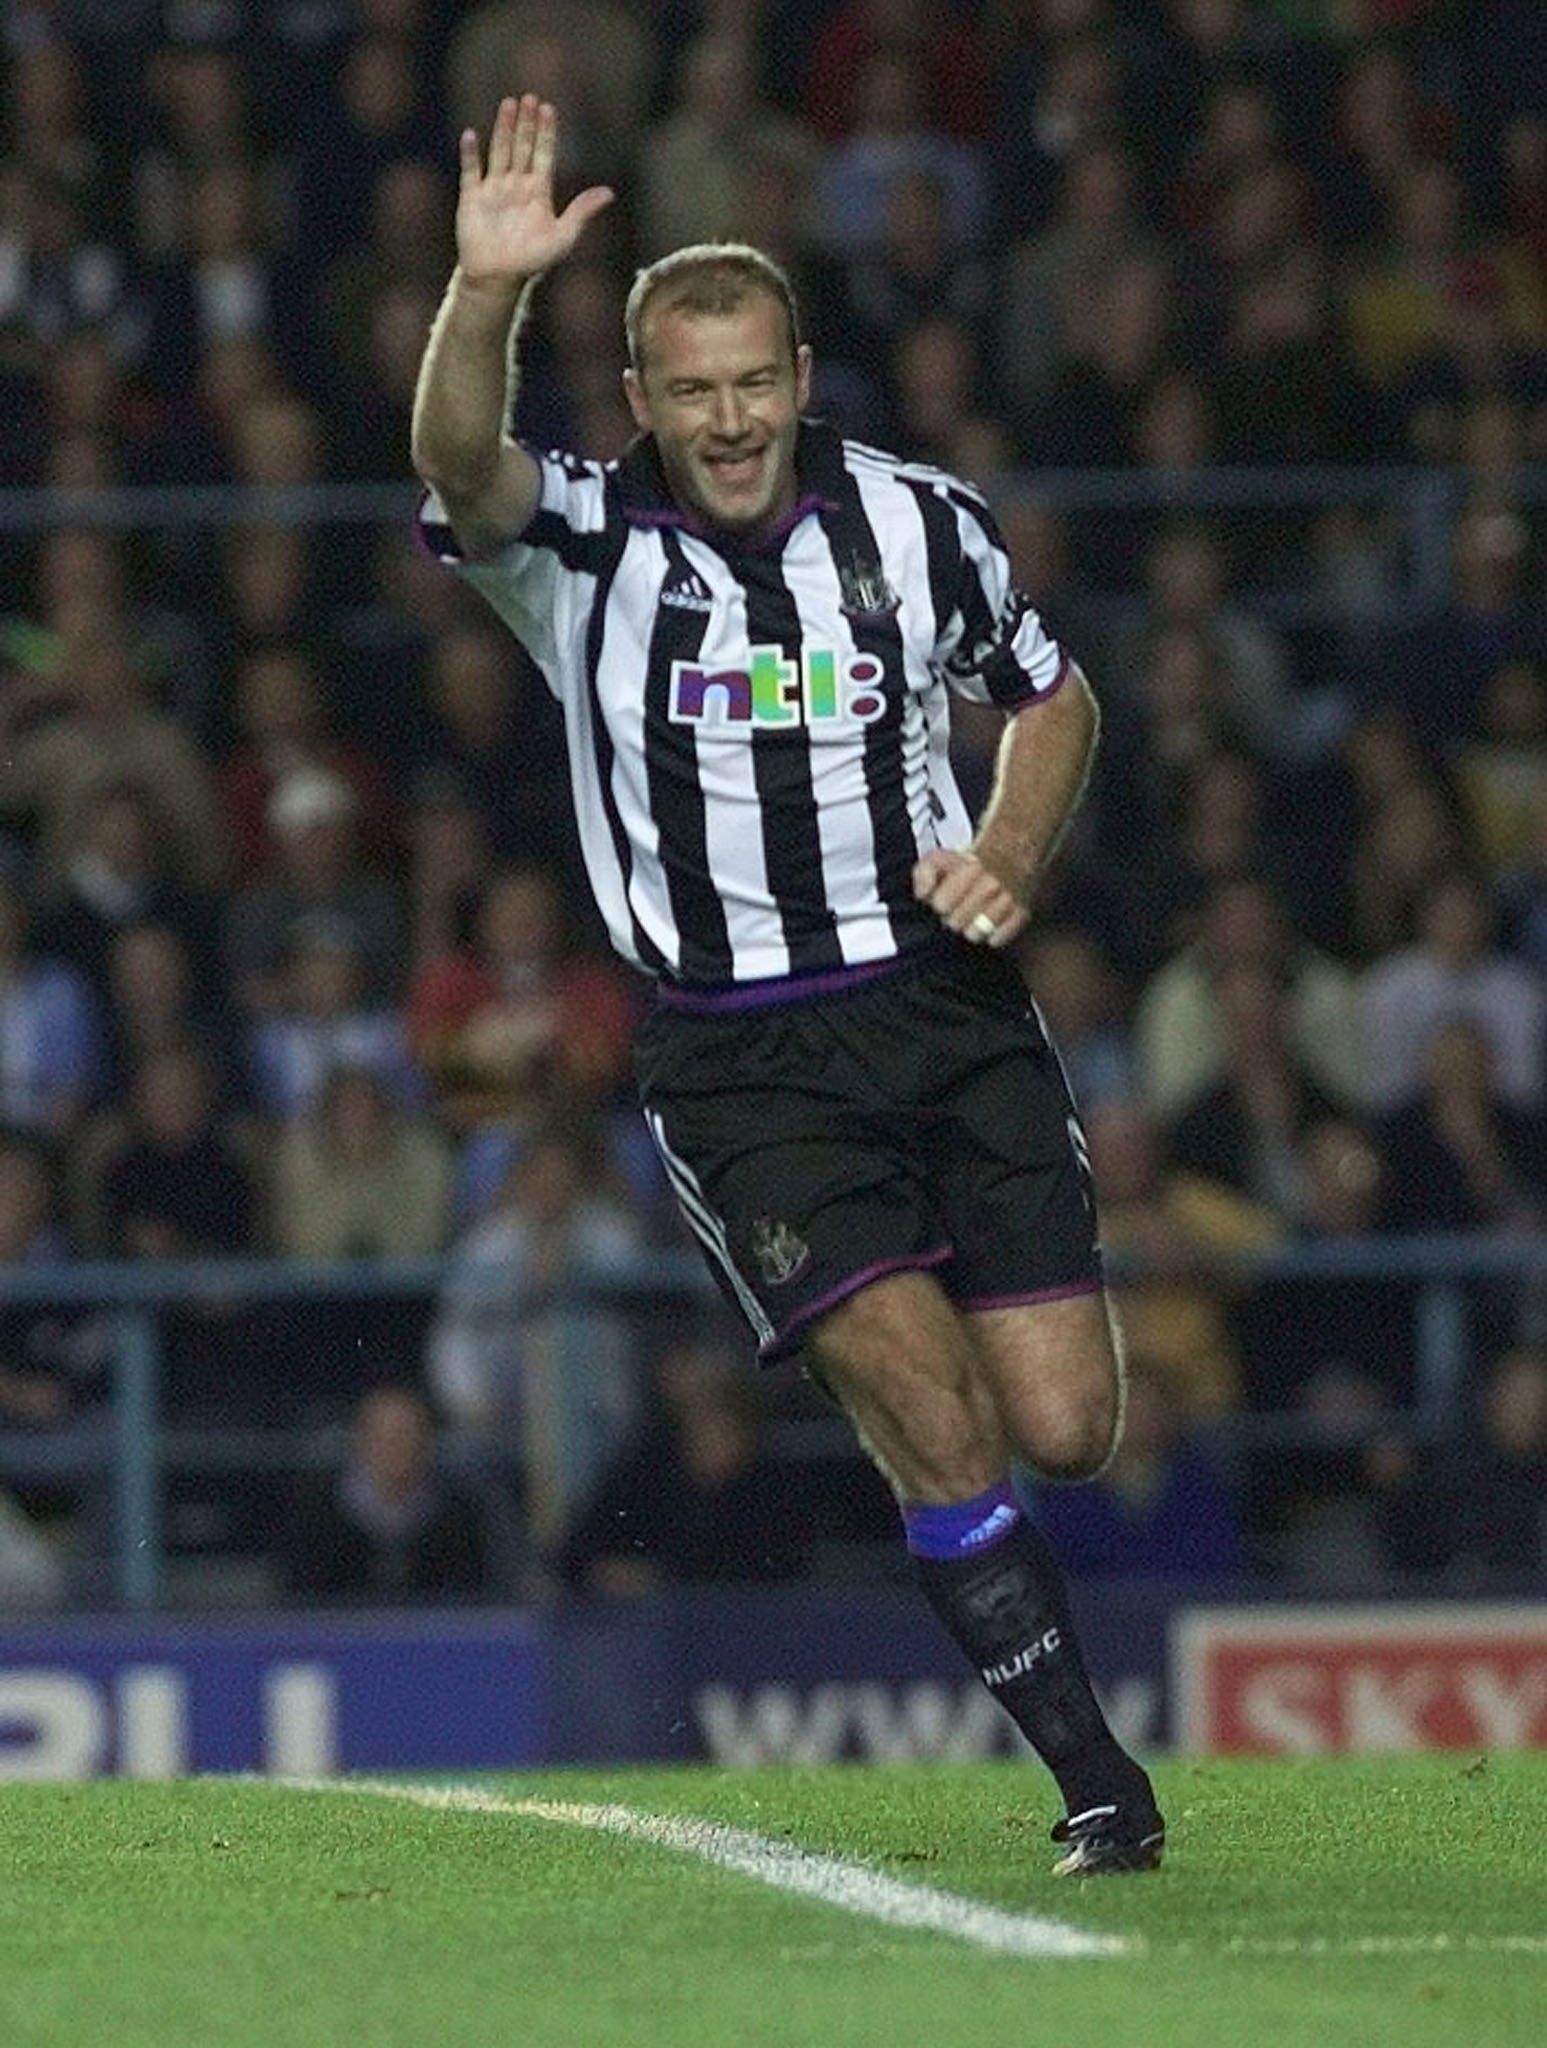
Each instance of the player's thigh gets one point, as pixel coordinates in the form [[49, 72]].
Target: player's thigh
[[1055, 1373], [799, 1194], [1005, 1158], [898, 1358]]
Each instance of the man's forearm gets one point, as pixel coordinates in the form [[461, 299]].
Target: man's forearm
[[467, 385], [1043, 766]]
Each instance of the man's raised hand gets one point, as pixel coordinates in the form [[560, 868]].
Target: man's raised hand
[[507, 230]]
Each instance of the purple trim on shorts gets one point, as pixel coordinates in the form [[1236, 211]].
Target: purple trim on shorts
[[778, 988], [878, 1269], [1065, 1293]]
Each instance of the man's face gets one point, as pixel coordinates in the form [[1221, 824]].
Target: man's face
[[723, 397]]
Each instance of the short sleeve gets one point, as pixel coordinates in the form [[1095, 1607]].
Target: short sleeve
[[993, 648], [522, 578]]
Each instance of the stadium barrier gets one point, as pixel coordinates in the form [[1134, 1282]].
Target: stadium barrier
[[131, 1445], [1418, 503]]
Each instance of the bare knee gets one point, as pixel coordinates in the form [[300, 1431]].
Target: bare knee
[[1056, 1376], [1071, 1434]]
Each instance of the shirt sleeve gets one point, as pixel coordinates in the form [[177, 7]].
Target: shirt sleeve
[[993, 648], [523, 578]]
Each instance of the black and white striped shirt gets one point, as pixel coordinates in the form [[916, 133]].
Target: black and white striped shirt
[[758, 733]]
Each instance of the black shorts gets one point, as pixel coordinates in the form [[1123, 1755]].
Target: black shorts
[[920, 1119]]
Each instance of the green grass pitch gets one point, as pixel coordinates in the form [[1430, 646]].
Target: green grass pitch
[[1375, 1901]]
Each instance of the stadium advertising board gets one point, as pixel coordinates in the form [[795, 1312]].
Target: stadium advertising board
[[817, 1675], [1319, 1681], [288, 1695], [808, 1674], [889, 1690], [778, 1675]]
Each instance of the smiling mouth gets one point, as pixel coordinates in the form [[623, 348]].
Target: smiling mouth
[[741, 466]]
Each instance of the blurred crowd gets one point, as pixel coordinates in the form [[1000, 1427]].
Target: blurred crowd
[[296, 956]]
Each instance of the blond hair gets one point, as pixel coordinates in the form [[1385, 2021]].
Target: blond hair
[[706, 277]]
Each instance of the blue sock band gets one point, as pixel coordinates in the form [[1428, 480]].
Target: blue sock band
[[961, 1528]]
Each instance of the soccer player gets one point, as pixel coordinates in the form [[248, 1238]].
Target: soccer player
[[751, 626]]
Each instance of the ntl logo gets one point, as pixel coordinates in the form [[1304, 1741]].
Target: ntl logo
[[818, 689]]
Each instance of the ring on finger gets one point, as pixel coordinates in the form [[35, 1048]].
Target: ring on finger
[[982, 926]]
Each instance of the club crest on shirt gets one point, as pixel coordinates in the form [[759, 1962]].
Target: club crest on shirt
[[864, 592], [779, 1252]]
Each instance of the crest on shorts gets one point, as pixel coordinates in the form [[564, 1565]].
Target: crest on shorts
[[779, 1251]]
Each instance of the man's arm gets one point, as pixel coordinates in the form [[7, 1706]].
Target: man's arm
[[1043, 765], [507, 235], [487, 482]]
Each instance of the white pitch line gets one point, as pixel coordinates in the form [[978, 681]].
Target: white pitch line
[[854, 1888], [1377, 1945], [851, 1887]]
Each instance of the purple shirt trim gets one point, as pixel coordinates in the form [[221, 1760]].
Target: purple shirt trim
[[1031, 697], [439, 541], [783, 1340], [762, 543], [780, 988]]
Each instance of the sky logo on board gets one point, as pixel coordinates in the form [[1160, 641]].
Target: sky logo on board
[[822, 687]]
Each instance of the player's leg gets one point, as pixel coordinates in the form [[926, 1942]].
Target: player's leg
[[1056, 1378], [896, 1357], [1003, 1156], [1054, 1369], [817, 1197], [904, 1365]]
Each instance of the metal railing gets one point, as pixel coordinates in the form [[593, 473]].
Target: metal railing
[[1423, 500], [133, 1445]]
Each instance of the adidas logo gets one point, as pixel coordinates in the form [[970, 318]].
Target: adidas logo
[[996, 1524], [689, 596]]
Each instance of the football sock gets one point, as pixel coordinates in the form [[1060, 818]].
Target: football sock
[[992, 1580]]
